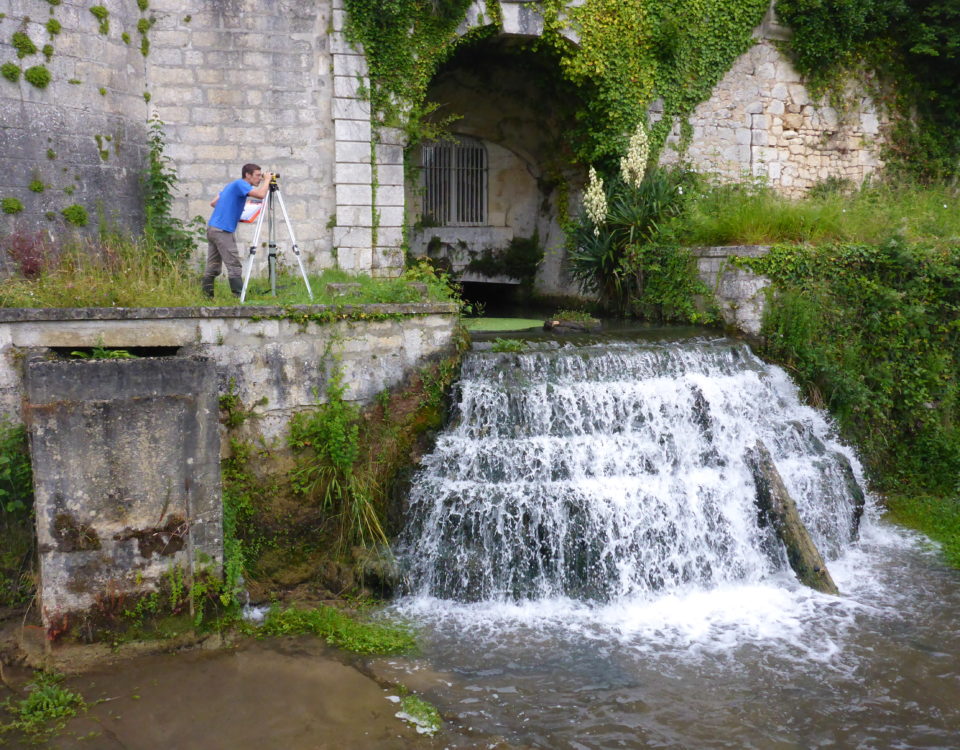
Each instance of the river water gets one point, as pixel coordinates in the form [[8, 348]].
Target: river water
[[554, 618]]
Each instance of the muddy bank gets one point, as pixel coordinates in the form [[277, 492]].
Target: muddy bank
[[292, 693]]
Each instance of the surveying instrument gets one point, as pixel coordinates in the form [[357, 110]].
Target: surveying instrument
[[273, 196]]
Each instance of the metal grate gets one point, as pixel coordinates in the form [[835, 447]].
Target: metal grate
[[455, 183]]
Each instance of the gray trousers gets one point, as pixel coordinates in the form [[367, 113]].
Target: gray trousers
[[222, 251]]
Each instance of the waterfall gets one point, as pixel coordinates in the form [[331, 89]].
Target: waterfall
[[617, 470]]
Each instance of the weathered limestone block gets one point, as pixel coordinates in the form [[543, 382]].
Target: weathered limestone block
[[126, 466]]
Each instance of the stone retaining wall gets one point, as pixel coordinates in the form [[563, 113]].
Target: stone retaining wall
[[276, 357], [739, 293]]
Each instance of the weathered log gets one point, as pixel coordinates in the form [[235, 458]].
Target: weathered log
[[778, 507]]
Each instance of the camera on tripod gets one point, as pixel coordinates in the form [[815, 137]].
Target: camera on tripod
[[273, 180]]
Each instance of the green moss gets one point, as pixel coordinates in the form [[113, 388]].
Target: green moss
[[10, 71], [125, 37], [37, 186], [48, 51], [51, 154], [38, 76], [69, 189], [74, 81], [102, 90], [76, 215], [144, 46], [103, 16], [146, 96], [143, 4], [143, 25], [11, 206], [23, 44], [50, 215], [187, 19], [53, 27]]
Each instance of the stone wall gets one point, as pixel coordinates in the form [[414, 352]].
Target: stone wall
[[126, 467], [275, 358], [762, 122], [740, 294], [277, 83], [240, 81], [81, 140]]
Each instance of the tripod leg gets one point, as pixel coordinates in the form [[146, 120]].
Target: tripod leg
[[293, 242], [253, 251]]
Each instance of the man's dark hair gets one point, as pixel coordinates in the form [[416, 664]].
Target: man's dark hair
[[248, 169]]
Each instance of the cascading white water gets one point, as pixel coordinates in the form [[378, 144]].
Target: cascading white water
[[617, 470]]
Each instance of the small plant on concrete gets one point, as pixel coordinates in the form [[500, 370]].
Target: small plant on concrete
[[53, 27], [424, 716], [11, 205], [507, 345], [23, 44], [339, 629], [76, 215], [37, 186], [47, 51], [10, 71], [46, 708], [37, 76], [103, 16]]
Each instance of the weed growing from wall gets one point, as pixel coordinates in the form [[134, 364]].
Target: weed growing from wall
[[37, 76], [10, 71], [76, 214], [11, 205], [161, 228], [23, 44], [103, 17]]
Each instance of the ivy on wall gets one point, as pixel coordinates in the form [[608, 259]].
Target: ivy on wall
[[630, 52]]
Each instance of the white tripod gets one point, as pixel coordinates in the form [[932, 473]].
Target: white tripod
[[272, 195]]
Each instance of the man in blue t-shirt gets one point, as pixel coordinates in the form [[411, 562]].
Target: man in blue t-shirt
[[221, 242]]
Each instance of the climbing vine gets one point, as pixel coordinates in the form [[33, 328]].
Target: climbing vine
[[630, 52]]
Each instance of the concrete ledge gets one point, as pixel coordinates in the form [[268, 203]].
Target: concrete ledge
[[30, 314]]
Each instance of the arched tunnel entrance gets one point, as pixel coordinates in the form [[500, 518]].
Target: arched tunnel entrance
[[486, 199]]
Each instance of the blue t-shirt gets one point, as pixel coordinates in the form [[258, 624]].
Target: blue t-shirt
[[227, 212]]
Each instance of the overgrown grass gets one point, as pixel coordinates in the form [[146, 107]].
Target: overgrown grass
[[752, 215], [339, 629], [117, 272], [937, 517]]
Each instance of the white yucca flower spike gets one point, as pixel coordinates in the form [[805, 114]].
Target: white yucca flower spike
[[595, 201], [634, 165]]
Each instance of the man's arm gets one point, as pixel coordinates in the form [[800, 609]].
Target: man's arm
[[213, 203], [261, 190]]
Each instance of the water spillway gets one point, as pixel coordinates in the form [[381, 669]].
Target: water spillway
[[588, 565], [617, 470]]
